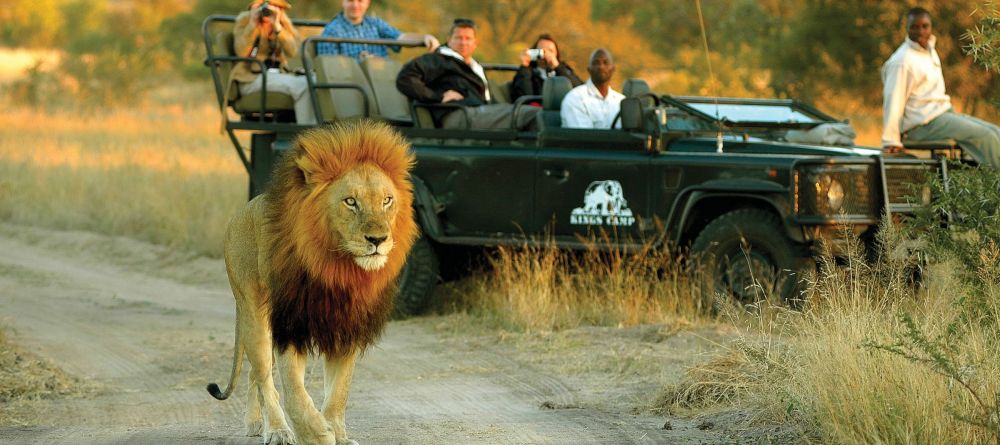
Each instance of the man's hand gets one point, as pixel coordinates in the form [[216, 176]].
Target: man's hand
[[451, 96], [431, 42], [893, 150]]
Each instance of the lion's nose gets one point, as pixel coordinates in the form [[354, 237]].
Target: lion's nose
[[376, 240]]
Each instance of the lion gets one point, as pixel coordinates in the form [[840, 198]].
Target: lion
[[313, 266]]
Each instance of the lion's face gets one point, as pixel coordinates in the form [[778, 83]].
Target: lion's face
[[362, 208]]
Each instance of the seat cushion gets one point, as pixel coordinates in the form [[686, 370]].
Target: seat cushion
[[342, 103], [381, 73], [251, 102], [929, 145]]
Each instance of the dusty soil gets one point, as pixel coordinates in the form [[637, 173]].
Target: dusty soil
[[144, 328]]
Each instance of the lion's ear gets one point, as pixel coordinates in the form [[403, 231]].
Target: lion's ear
[[311, 170]]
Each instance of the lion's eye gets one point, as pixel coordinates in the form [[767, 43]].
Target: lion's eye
[[387, 201], [351, 202]]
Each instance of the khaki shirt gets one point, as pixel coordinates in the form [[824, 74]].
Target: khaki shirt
[[245, 35]]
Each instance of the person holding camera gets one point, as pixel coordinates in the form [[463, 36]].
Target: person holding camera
[[538, 63], [353, 22], [264, 32]]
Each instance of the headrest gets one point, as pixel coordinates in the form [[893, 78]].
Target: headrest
[[635, 87], [553, 91], [223, 44]]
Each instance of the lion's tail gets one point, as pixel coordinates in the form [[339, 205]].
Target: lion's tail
[[234, 377]]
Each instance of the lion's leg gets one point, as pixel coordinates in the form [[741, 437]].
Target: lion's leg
[[253, 420], [310, 427], [261, 357], [337, 382]]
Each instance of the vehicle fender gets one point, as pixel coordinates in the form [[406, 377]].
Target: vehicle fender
[[425, 207], [690, 201]]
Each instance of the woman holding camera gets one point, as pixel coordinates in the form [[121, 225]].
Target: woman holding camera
[[265, 33], [537, 64]]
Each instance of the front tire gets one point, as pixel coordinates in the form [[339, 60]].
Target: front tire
[[748, 257], [417, 279]]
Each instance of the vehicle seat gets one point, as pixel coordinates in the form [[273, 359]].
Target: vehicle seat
[[248, 104], [947, 148], [635, 87], [342, 102], [381, 73], [638, 88], [500, 92], [553, 91]]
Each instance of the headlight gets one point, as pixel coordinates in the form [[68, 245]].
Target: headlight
[[833, 190]]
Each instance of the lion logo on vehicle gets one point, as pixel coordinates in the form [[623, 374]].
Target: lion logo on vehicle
[[604, 204]]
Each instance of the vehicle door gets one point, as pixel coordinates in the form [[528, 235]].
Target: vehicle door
[[591, 181], [481, 191]]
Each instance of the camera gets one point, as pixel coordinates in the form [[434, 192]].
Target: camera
[[536, 54], [265, 9]]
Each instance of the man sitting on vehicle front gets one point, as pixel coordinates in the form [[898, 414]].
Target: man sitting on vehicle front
[[450, 75], [915, 103], [593, 104], [352, 22]]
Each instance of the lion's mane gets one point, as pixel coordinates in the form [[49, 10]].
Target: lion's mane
[[320, 298]]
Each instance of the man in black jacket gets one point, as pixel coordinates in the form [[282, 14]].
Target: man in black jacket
[[451, 75]]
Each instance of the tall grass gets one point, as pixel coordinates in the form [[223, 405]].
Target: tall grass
[[161, 174], [541, 288], [829, 369]]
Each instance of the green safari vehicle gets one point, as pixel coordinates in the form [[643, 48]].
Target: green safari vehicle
[[718, 176]]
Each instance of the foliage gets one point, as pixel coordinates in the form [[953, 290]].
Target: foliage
[[984, 38], [938, 354], [969, 204], [31, 23]]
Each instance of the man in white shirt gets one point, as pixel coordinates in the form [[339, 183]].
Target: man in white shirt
[[593, 104], [915, 103]]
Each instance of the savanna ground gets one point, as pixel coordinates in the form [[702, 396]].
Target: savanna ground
[[116, 313]]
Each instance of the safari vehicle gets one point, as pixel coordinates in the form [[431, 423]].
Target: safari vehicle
[[713, 175]]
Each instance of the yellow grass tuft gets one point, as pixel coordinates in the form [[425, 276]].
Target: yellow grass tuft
[[544, 288]]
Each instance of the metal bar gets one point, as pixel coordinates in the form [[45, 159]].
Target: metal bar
[[239, 151]]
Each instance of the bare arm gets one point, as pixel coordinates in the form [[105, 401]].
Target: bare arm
[[429, 41]]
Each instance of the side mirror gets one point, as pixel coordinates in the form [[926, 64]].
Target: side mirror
[[631, 110]]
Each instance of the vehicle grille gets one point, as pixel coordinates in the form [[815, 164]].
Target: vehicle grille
[[907, 186]]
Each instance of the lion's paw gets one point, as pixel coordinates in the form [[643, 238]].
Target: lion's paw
[[255, 428], [347, 442], [279, 437]]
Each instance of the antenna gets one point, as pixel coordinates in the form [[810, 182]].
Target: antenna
[[711, 78]]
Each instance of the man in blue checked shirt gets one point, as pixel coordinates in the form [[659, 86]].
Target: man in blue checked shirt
[[353, 23]]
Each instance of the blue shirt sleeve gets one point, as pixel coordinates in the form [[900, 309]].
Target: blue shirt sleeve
[[386, 31]]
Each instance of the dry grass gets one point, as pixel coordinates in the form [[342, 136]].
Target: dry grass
[[161, 174], [816, 368], [544, 289], [25, 378]]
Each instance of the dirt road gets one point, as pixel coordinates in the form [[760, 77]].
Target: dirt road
[[146, 328]]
